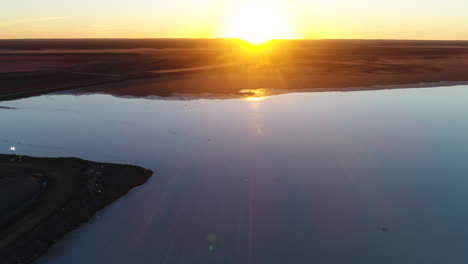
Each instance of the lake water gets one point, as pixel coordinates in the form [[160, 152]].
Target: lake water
[[332, 177]]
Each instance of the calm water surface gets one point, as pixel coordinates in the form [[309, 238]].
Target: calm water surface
[[358, 177]]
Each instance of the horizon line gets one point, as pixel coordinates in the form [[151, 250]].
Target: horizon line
[[226, 38]]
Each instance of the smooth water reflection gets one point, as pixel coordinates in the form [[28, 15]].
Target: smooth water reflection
[[296, 178]]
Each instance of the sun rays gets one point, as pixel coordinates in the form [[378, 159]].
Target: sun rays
[[258, 22]]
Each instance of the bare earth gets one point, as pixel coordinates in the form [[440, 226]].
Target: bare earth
[[44, 198], [164, 67]]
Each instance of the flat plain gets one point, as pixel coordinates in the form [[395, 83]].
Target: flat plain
[[163, 67]]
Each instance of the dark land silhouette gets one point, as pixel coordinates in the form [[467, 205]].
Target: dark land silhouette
[[222, 66], [44, 198]]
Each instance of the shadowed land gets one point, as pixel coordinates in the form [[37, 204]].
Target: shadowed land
[[223, 67], [43, 198]]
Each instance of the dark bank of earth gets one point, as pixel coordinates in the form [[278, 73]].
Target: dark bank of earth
[[42, 199]]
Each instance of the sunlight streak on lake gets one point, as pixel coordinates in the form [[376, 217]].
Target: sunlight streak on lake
[[310, 177]]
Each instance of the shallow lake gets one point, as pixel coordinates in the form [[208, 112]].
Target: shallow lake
[[331, 177]]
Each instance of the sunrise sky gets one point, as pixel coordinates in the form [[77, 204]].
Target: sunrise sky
[[359, 19]]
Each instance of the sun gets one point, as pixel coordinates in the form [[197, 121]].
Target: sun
[[258, 22]]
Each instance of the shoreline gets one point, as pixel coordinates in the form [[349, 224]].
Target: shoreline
[[273, 92], [90, 88], [164, 68], [155, 74], [76, 189], [137, 89]]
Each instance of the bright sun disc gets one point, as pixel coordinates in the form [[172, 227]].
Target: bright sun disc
[[258, 22]]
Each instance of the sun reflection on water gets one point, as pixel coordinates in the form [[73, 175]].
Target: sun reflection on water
[[252, 98], [254, 94]]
